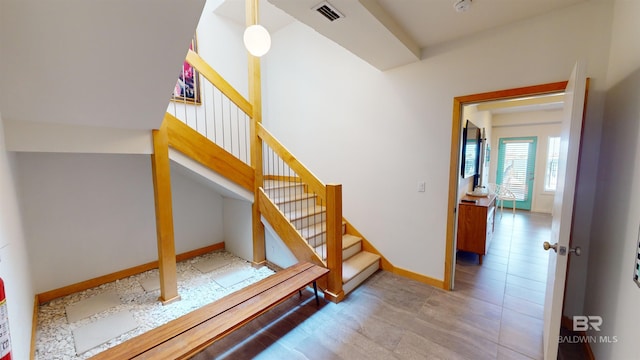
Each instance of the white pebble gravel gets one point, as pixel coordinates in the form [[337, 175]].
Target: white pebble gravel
[[54, 334]]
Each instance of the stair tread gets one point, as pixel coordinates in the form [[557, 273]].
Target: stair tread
[[356, 264], [297, 197], [306, 212], [349, 240], [315, 229], [277, 184]]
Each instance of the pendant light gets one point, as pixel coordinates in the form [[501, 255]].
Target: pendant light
[[257, 40]]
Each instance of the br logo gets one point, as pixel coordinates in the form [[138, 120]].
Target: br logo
[[584, 323]]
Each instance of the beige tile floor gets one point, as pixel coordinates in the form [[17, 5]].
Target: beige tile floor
[[495, 311]]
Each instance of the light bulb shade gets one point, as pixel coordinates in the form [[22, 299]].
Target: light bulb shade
[[257, 40]]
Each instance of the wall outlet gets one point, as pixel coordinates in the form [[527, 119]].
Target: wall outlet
[[422, 186]]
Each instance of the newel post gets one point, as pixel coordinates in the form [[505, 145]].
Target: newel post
[[334, 290], [161, 169], [255, 98]]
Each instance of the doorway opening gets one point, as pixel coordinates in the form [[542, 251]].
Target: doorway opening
[[563, 200], [513, 275], [456, 189]]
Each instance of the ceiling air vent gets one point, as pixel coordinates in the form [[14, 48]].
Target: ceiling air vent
[[328, 11]]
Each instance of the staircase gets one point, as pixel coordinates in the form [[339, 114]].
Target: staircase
[[309, 218], [302, 210]]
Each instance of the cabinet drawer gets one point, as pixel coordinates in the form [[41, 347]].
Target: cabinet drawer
[[475, 226]]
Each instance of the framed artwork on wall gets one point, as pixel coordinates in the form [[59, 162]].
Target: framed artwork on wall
[[187, 89]]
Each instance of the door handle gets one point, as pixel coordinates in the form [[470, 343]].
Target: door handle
[[563, 250], [548, 246]]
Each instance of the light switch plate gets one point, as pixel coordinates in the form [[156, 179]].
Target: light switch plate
[[422, 187]]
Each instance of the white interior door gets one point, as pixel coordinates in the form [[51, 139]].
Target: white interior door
[[563, 207]]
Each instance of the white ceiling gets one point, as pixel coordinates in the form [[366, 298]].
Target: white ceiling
[[432, 22], [524, 104], [391, 33], [102, 63]]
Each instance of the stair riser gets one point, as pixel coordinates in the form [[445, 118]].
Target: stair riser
[[309, 220], [317, 240], [346, 253], [360, 278], [297, 205], [289, 191], [352, 250]]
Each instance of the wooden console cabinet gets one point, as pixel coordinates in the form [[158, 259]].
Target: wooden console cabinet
[[475, 224]]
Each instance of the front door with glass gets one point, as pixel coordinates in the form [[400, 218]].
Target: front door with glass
[[516, 168]]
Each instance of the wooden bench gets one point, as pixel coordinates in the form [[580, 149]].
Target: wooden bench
[[189, 334]]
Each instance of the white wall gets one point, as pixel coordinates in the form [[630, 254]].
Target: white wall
[[81, 211], [198, 213], [611, 292], [238, 231], [219, 43], [380, 133], [222, 47], [277, 251], [14, 261], [239, 237], [46, 137], [540, 124]]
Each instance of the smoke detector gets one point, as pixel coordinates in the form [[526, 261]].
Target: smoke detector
[[462, 5]]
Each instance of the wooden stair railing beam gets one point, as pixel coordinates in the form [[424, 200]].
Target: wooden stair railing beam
[[255, 98], [219, 82], [259, 244], [385, 264], [332, 197], [253, 108], [287, 232], [191, 143], [161, 170], [314, 184], [334, 290]]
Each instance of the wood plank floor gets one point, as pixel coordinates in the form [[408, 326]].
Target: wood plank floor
[[495, 311]]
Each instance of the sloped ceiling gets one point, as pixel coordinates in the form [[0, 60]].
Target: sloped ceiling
[[112, 63], [104, 63], [391, 33]]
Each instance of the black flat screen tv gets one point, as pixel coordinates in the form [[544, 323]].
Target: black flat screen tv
[[470, 150]]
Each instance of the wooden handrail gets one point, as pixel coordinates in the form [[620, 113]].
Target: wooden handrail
[[331, 196], [315, 185], [218, 81], [191, 143], [287, 232]]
